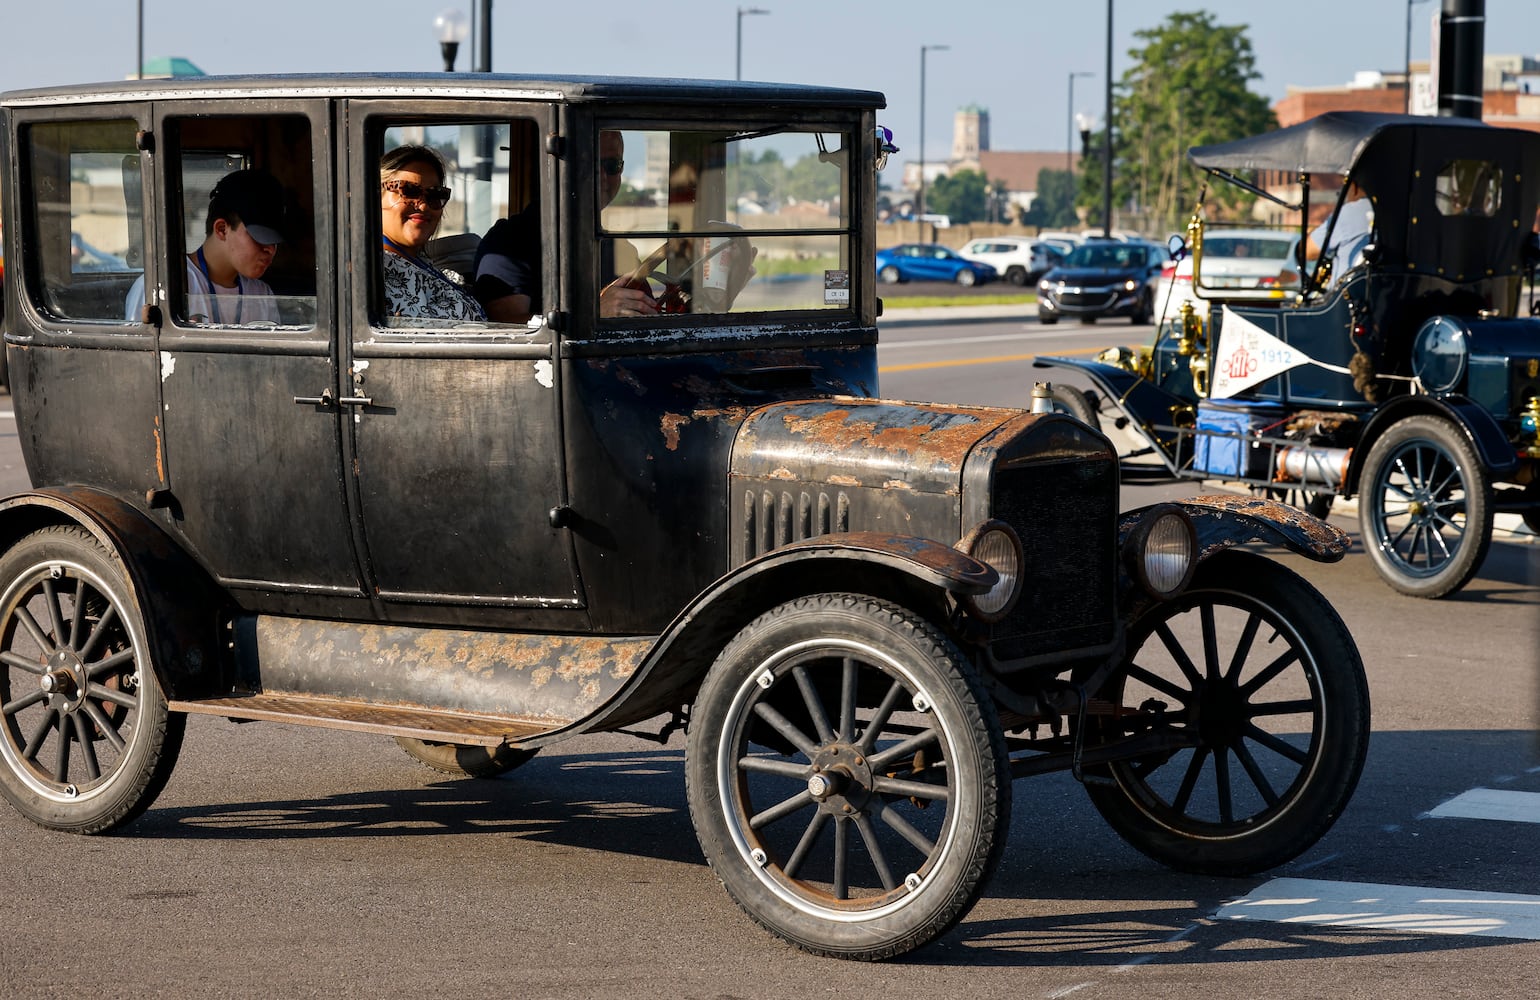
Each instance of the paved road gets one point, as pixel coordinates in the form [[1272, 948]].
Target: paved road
[[289, 862]]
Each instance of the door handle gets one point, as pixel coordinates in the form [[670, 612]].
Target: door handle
[[355, 401], [324, 399]]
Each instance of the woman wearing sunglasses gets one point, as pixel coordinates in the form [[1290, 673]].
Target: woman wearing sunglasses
[[412, 200]]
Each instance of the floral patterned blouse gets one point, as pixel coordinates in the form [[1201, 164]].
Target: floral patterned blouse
[[416, 290]]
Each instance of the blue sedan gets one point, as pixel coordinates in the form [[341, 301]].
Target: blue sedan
[[929, 262]]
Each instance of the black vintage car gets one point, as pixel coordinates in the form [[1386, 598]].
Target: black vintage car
[[312, 503], [1402, 372]]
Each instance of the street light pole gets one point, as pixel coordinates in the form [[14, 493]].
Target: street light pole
[[1107, 137], [139, 66], [1409, 5], [919, 204], [742, 11], [1069, 125]]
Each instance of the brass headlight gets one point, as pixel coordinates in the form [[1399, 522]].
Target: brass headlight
[[995, 544]]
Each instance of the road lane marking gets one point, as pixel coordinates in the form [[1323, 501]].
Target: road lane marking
[[1491, 803], [1368, 905], [994, 360]]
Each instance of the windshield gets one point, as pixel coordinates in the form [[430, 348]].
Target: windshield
[[1271, 248], [727, 220], [1107, 256]]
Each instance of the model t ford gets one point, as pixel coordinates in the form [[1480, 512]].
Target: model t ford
[[289, 464], [1398, 370]]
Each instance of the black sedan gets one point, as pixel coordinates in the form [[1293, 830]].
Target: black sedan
[[1104, 278]]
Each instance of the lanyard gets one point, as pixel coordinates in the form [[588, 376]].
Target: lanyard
[[214, 296], [423, 265]]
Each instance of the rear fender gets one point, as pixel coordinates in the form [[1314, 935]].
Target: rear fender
[[183, 607], [915, 572], [1479, 427]]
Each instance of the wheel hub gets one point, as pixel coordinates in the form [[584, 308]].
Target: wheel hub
[[840, 780], [64, 682], [1221, 714]]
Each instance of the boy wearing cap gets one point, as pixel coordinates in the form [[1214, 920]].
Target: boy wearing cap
[[224, 275]]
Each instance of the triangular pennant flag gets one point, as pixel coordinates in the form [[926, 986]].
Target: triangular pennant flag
[[1246, 355]]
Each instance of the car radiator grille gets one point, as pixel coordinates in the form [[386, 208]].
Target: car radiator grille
[[1066, 514]]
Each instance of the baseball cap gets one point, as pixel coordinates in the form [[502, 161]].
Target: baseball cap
[[256, 198]]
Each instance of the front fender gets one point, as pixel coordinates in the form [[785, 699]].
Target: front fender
[[1143, 402], [182, 606], [913, 571], [1224, 520]]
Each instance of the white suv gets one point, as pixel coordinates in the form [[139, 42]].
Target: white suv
[[1018, 260]]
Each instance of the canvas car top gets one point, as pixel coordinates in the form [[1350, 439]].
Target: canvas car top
[[1328, 143]]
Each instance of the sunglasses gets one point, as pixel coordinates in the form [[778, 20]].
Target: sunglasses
[[433, 197], [612, 165]]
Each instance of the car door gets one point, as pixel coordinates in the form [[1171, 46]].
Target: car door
[[452, 427], [253, 458]]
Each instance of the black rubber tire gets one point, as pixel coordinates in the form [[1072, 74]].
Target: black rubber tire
[[86, 739], [889, 275], [1143, 311], [1253, 623], [821, 689], [966, 278], [1425, 507], [1017, 275], [464, 760], [1076, 402]]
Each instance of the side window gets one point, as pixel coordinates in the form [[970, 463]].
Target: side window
[[244, 227], [445, 188], [1469, 187], [722, 221], [84, 230]]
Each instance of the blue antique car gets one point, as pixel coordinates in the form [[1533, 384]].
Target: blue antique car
[[1402, 371]]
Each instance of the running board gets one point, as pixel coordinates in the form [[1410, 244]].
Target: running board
[[363, 717]]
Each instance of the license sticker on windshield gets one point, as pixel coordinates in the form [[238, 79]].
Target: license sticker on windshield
[[836, 287]]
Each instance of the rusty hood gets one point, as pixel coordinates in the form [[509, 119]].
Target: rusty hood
[[856, 442]]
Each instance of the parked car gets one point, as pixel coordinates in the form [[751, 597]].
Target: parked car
[[1404, 376], [85, 257], [929, 262], [482, 539], [1102, 278], [1018, 260], [1264, 261]]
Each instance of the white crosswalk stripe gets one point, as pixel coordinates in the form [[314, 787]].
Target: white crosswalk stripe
[[1368, 905]]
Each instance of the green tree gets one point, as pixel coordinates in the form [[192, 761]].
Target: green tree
[[1054, 206], [961, 196], [1188, 87]]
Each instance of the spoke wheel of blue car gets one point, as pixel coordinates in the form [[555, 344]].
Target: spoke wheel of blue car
[[464, 760], [86, 739], [966, 277], [1259, 682], [847, 776], [1426, 507]]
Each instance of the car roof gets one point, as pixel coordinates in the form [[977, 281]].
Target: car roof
[[569, 89]]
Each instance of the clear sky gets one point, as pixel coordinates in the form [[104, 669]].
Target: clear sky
[[1013, 58]]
